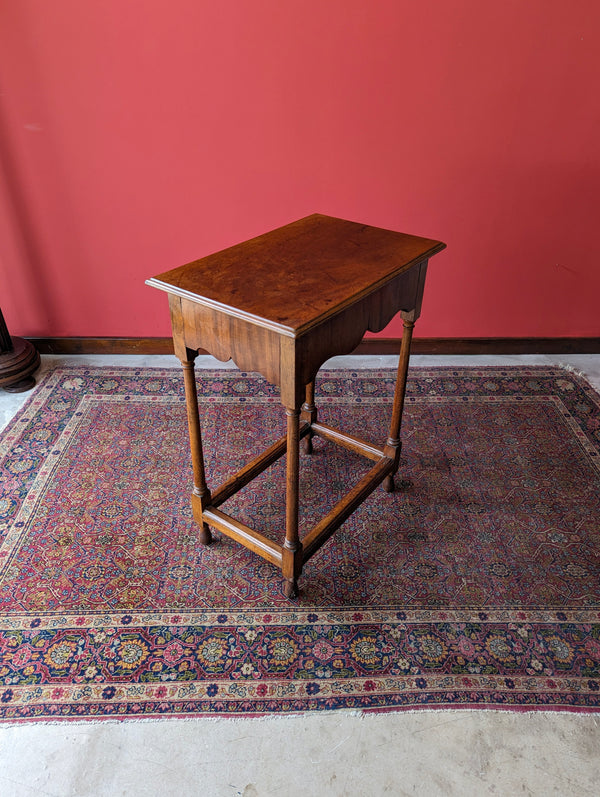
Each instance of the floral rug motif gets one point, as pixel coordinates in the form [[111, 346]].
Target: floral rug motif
[[476, 585]]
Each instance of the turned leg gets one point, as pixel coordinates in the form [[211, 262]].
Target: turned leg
[[200, 493], [309, 414], [292, 547], [393, 444]]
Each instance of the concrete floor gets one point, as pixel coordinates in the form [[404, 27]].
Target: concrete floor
[[334, 753]]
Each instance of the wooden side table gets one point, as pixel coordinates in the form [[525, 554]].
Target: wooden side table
[[281, 304]]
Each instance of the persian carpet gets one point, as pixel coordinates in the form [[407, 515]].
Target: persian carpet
[[476, 585]]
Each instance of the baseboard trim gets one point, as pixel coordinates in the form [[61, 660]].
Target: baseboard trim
[[90, 345], [372, 346]]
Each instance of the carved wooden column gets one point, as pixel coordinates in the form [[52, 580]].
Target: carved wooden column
[[18, 361]]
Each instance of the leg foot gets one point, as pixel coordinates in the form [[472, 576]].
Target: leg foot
[[205, 536], [290, 588], [390, 486], [307, 445]]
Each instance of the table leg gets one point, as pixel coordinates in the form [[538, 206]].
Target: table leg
[[309, 414], [200, 493], [393, 444], [292, 547]]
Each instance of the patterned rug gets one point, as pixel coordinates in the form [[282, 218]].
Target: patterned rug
[[478, 585]]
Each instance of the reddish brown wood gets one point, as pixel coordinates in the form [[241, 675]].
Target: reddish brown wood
[[348, 441], [264, 547], [393, 444], [251, 346], [200, 494], [309, 414], [253, 469], [281, 304], [344, 508], [292, 547], [319, 264]]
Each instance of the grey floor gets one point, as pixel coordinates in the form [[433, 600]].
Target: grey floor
[[421, 753]]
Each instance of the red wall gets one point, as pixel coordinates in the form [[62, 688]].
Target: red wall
[[136, 135]]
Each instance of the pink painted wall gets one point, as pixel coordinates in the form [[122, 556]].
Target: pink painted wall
[[136, 135]]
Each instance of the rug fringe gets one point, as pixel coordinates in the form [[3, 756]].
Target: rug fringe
[[572, 370], [579, 373], [326, 716]]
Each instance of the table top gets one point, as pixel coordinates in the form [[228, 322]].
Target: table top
[[296, 276]]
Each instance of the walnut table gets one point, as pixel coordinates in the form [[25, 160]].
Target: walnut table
[[281, 304]]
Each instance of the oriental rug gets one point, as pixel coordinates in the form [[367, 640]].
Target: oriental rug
[[475, 585]]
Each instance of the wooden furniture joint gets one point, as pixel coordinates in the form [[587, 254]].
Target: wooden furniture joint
[[280, 305]]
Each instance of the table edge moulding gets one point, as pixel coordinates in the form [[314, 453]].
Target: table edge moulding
[[282, 304]]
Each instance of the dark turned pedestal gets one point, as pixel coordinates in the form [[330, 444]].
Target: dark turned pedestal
[[18, 361]]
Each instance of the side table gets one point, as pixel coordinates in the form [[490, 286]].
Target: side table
[[280, 305]]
